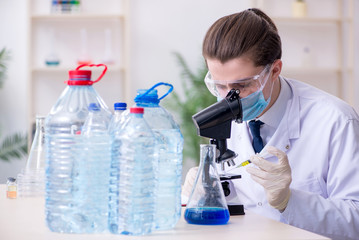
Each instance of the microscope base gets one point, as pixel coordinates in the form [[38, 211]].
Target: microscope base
[[236, 210]]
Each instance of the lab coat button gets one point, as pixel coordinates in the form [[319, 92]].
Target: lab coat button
[[287, 147], [259, 204]]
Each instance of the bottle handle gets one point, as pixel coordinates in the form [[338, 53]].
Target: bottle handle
[[156, 85], [95, 65]]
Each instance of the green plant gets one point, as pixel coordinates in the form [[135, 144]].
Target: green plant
[[13, 146], [4, 58], [195, 98]]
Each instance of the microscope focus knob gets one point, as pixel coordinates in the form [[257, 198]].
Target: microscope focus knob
[[226, 190]]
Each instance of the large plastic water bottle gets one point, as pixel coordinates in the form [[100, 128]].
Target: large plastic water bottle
[[119, 108], [169, 157], [63, 141], [94, 168], [132, 177]]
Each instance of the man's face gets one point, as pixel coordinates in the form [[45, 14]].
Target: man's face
[[239, 73]]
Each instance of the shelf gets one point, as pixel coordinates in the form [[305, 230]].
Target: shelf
[[60, 31], [61, 69], [311, 70], [79, 16], [307, 20]]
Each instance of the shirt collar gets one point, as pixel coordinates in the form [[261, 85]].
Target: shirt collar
[[275, 113]]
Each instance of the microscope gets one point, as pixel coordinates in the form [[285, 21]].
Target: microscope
[[215, 122]]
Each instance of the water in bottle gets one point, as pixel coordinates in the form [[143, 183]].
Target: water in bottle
[[64, 148], [94, 168], [169, 157], [132, 177], [119, 108]]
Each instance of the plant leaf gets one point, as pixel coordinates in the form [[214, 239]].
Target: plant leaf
[[13, 147], [196, 98], [4, 58]]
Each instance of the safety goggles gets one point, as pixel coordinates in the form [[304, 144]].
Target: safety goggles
[[246, 86]]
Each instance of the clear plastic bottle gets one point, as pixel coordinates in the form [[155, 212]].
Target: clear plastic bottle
[[119, 108], [94, 168], [207, 204], [64, 150], [132, 177], [31, 179], [169, 157]]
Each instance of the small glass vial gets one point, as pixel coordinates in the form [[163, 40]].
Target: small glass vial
[[299, 9], [11, 188]]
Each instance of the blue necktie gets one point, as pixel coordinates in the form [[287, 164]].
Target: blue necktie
[[257, 143]]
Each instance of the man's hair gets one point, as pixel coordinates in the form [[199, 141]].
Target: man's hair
[[250, 33]]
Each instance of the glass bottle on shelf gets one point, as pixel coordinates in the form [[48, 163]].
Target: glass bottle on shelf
[[65, 6], [299, 9], [84, 57], [108, 55], [52, 59]]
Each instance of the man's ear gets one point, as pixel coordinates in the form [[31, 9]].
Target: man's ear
[[276, 69]]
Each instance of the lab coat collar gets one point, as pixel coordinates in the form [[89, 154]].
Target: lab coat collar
[[273, 116], [292, 115], [289, 126]]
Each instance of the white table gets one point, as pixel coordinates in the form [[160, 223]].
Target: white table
[[23, 218]]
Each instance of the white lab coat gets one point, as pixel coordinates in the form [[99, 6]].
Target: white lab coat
[[320, 135]]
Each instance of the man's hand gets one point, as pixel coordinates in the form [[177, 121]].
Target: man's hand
[[274, 177], [189, 181]]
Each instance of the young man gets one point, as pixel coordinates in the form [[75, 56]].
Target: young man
[[307, 174]]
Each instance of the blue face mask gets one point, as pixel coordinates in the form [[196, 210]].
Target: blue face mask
[[253, 105]]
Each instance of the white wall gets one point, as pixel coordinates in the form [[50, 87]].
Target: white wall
[[158, 28], [13, 114]]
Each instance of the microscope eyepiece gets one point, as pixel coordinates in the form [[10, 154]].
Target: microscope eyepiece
[[215, 122]]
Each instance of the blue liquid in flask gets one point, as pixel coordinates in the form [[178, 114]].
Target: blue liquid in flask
[[207, 215]]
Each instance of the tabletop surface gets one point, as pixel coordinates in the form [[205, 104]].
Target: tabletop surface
[[24, 218]]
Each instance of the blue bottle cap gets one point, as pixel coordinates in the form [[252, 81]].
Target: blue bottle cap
[[149, 97], [120, 106], [94, 107]]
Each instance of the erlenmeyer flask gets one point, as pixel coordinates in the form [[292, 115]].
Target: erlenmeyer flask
[[207, 204], [31, 180], [36, 158]]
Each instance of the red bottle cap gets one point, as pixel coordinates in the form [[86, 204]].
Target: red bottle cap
[[83, 77], [79, 77], [137, 110]]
